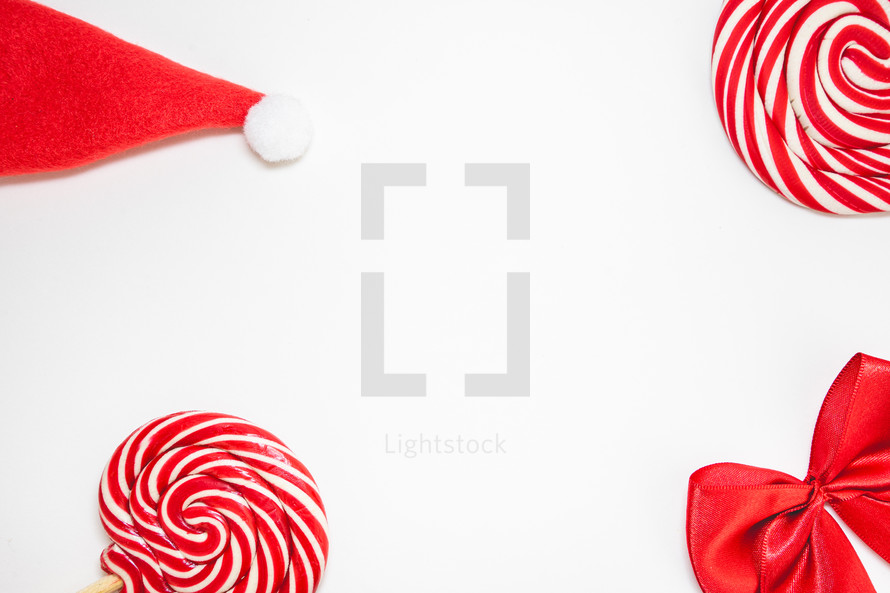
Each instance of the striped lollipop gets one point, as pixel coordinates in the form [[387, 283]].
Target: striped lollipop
[[198, 502], [803, 90]]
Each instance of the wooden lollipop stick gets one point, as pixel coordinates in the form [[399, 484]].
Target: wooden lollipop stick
[[108, 584]]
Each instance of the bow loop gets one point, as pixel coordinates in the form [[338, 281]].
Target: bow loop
[[851, 449], [753, 530], [854, 423], [729, 506]]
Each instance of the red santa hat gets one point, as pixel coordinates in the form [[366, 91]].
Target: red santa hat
[[72, 93]]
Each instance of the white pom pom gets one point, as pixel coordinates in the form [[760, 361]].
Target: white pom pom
[[278, 128]]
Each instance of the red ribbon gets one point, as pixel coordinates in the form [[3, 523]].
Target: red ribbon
[[753, 530]]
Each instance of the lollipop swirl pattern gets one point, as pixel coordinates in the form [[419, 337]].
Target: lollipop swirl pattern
[[199, 502], [803, 90]]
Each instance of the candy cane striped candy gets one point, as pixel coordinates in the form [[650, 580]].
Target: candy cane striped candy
[[198, 502], [803, 90]]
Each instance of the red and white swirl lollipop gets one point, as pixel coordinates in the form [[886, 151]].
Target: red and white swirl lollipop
[[198, 502], [803, 90]]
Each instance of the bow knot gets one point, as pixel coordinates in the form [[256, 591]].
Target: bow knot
[[818, 495], [753, 530]]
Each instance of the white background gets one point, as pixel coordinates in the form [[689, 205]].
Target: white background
[[682, 314]]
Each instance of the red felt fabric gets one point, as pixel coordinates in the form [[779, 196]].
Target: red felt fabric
[[752, 530], [72, 93]]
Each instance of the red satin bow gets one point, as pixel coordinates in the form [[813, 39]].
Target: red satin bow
[[753, 530]]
